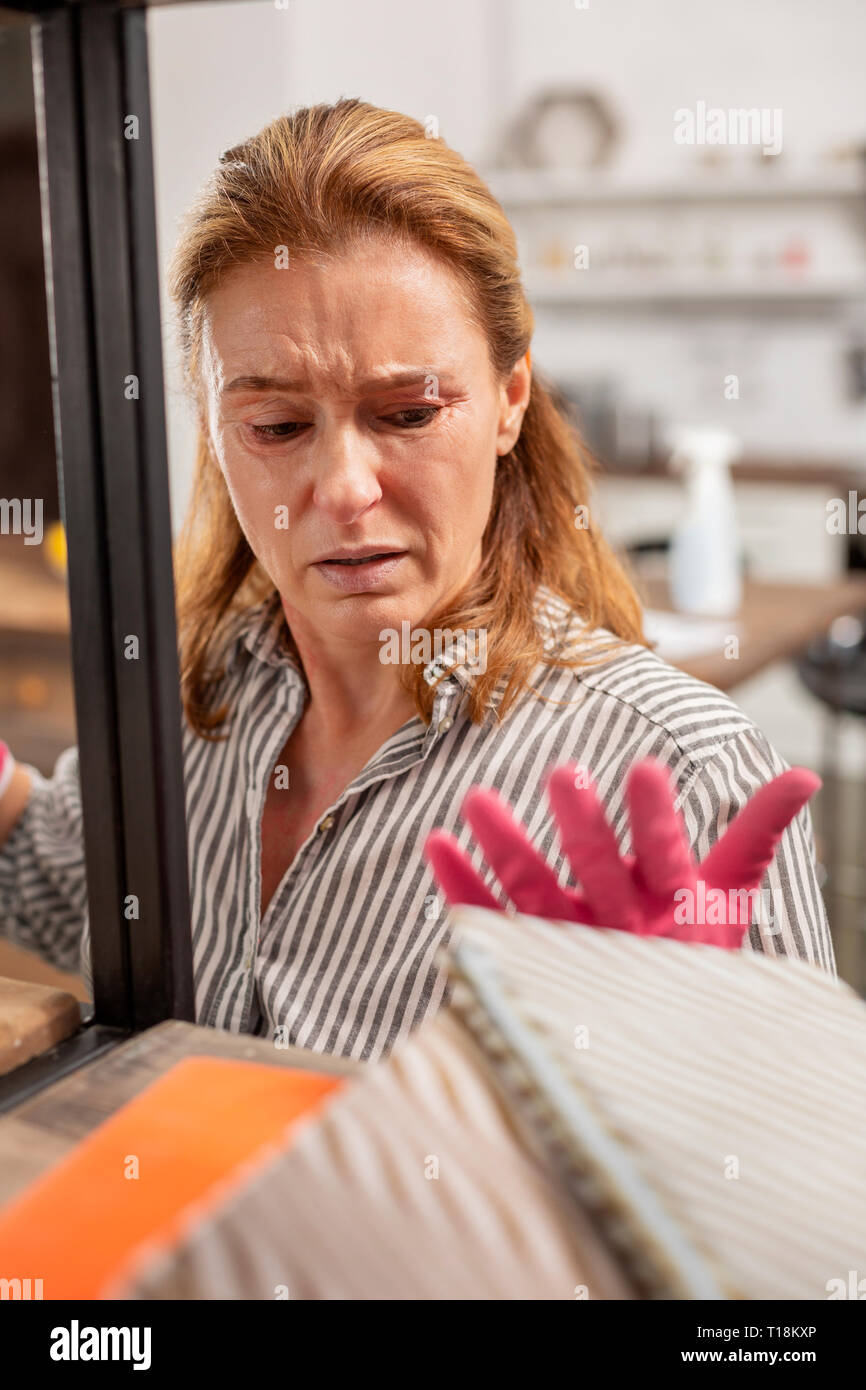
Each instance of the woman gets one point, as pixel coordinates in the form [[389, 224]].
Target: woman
[[390, 589]]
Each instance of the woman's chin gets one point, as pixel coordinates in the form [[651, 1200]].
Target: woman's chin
[[372, 617]]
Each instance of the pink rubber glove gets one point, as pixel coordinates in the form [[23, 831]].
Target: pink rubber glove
[[636, 892], [7, 767]]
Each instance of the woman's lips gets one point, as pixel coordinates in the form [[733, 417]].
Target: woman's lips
[[357, 578]]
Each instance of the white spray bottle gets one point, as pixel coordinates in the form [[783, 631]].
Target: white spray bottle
[[704, 561]]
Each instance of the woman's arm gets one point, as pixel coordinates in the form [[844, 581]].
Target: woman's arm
[[43, 883]]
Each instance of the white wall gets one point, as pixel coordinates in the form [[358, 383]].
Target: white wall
[[654, 58], [221, 71]]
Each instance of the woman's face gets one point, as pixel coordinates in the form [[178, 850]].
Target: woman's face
[[353, 410]]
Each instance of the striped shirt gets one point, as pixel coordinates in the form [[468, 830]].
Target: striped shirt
[[344, 959]]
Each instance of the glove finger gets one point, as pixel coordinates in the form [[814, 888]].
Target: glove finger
[[526, 877], [592, 851], [454, 873], [579, 910], [740, 857], [658, 835]]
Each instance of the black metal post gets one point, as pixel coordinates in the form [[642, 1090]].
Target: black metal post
[[96, 170]]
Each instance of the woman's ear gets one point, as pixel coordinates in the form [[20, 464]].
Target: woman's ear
[[514, 398]]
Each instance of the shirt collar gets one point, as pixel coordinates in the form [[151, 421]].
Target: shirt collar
[[262, 632]]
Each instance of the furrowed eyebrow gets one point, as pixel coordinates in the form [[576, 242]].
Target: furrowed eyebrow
[[413, 376], [262, 383]]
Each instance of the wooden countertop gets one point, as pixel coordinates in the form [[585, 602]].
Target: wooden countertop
[[832, 474], [37, 1133], [776, 622]]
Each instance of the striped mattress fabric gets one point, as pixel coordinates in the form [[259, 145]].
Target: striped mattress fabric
[[734, 1085], [595, 1115], [410, 1185]]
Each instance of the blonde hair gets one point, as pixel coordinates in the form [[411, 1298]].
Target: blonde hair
[[314, 182]]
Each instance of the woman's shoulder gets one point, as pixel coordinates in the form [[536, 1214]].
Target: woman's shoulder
[[625, 691]]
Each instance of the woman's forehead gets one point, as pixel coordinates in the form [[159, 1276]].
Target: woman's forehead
[[360, 320]]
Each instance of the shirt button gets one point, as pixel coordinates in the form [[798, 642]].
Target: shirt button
[[326, 823], [445, 724]]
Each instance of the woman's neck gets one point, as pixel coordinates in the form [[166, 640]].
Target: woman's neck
[[352, 692]]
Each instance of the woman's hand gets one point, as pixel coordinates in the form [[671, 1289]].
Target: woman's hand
[[660, 890]]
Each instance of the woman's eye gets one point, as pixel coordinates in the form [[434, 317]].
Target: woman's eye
[[414, 417], [284, 430]]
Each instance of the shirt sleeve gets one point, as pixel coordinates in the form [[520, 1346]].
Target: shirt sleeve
[[793, 920], [43, 883]]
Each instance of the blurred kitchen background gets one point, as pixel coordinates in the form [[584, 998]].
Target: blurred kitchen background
[[708, 287]]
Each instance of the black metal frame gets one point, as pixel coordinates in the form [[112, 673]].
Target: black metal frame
[[90, 74]]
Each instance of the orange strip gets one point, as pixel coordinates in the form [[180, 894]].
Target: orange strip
[[78, 1224]]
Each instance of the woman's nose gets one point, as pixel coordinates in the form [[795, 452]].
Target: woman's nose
[[346, 471]]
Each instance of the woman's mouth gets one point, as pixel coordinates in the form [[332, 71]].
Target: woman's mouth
[[355, 574]]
